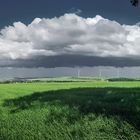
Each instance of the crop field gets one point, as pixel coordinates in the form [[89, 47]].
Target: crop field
[[89, 110]]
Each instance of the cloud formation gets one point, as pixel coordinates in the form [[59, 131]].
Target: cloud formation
[[69, 34]]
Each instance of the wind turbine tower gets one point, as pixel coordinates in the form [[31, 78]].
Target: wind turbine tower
[[78, 72], [100, 73]]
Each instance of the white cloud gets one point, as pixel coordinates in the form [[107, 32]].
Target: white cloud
[[69, 34]]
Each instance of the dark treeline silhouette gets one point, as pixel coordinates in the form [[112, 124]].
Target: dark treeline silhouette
[[123, 79]]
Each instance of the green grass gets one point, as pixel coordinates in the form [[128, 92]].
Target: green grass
[[70, 111]]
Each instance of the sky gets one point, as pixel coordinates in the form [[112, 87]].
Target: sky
[[99, 71], [69, 33], [26, 10]]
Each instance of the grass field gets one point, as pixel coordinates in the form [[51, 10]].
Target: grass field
[[70, 111]]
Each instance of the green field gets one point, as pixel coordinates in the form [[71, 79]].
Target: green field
[[70, 111]]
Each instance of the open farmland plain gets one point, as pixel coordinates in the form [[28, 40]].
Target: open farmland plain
[[77, 110]]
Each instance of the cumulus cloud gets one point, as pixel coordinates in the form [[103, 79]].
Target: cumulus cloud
[[69, 34]]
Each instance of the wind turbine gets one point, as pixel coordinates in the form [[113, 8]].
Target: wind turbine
[[100, 73], [78, 72]]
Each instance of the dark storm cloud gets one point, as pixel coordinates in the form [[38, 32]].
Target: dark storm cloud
[[71, 61]]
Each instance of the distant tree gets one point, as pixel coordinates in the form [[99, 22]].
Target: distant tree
[[134, 2]]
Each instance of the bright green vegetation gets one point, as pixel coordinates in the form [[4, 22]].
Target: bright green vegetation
[[70, 111]]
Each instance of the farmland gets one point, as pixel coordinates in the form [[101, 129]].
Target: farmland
[[87, 110]]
